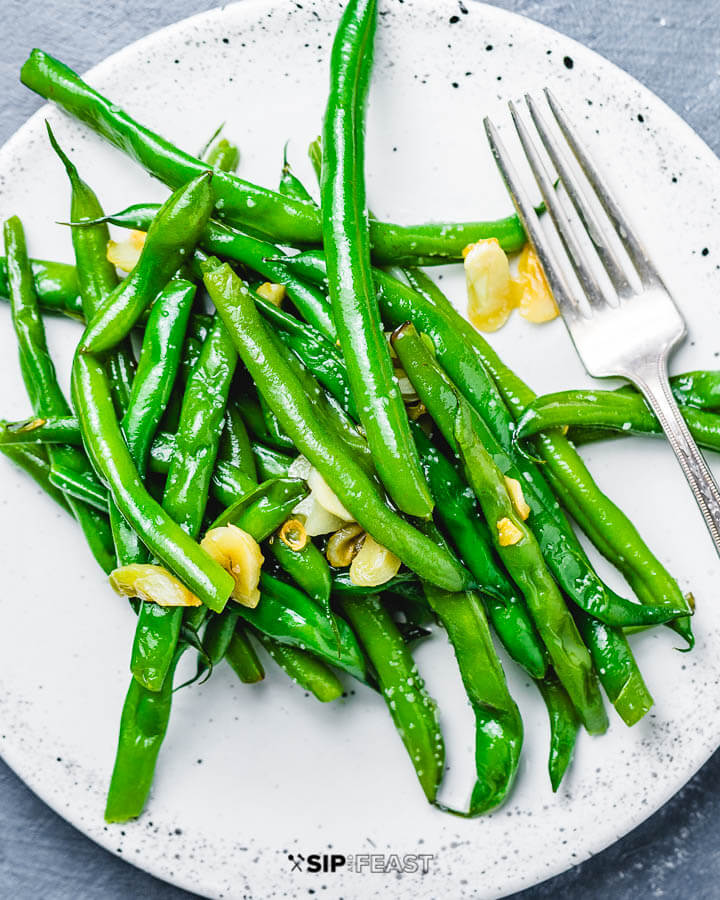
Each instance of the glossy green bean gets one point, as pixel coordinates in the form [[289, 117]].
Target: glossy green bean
[[171, 237], [264, 507], [289, 402], [244, 661], [564, 724], [568, 564], [288, 616], [56, 285], [46, 430], [412, 709], [220, 239], [270, 463], [458, 513], [39, 374], [284, 220], [307, 567], [153, 383], [522, 557], [35, 462], [346, 243], [235, 447], [143, 725], [259, 512], [290, 185], [309, 672], [107, 450], [470, 360], [625, 412], [186, 491], [96, 275], [80, 486], [618, 670], [498, 726]]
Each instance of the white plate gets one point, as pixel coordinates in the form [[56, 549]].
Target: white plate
[[248, 775]]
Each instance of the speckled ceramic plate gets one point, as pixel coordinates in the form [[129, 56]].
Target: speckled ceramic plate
[[249, 776]]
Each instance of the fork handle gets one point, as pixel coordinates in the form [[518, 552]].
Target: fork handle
[[652, 380]]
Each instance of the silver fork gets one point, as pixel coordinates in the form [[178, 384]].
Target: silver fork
[[628, 329]]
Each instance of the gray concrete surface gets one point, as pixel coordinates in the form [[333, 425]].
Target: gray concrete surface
[[672, 47]]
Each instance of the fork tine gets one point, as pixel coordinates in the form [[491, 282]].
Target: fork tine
[[564, 298], [587, 207], [634, 248], [576, 254]]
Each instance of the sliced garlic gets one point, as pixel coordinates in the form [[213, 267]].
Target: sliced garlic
[[154, 584], [489, 287], [515, 491], [344, 545], [273, 293], [319, 521], [239, 553], [373, 565], [125, 254], [300, 467], [326, 497], [534, 300], [294, 535], [508, 532]]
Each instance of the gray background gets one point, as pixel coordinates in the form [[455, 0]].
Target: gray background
[[673, 49]]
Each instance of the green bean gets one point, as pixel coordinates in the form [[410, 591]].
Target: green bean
[[172, 235], [243, 659], [56, 285], [568, 564], [458, 513], [619, 673], [235, 447], [311, 673], [228, 482], [284, 220], [296, 414], [287, 615], [347, 249], [35, 430], [468, 358], [110, 457], [290, 185], [625, 412], [96, 275], [39, 374], [412, 709], [263, 257], [522, 555], [564, 724], [35, 462], [307, 567], [80, 486], [151, 389], [264, 507], [186, 491], [259, 512], [498, 726], [143, 725], [270, 463], [276, 437]]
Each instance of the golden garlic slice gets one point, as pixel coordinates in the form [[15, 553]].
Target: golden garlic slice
[[238, 553], [154, 584]]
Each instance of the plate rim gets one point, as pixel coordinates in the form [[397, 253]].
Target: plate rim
[[34, 779]]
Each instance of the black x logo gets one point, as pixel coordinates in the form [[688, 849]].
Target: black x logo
[[296, 861]]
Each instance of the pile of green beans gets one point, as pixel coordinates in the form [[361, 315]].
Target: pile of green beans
[[198, 402]]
